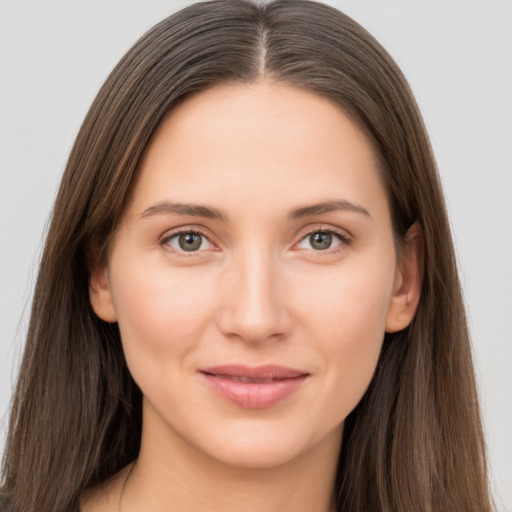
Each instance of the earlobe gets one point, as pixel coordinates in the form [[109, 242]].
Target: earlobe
[[100, 294], [408, 281]]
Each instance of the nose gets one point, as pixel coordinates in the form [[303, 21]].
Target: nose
[[255, 306]]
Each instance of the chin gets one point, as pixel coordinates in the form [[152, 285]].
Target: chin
[[257, 457], [265, 447]]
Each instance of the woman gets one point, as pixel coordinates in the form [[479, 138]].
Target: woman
[[248, 297]]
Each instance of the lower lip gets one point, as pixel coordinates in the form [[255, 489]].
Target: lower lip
[[254, 395]]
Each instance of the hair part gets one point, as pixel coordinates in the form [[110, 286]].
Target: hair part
[[414, 442]]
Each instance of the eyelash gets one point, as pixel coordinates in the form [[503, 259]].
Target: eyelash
[[165, 241], [344, 239]]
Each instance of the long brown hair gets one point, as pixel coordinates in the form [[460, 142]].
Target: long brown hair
[[414, 442]]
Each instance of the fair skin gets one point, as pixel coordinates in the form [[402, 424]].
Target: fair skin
[[283, 255]]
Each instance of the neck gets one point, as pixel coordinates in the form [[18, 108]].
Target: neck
[[170, 474]]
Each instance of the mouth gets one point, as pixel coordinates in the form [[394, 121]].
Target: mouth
[[243, 379], [254, 387]]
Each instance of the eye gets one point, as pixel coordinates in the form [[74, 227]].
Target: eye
[[188, 241], [322, 240]]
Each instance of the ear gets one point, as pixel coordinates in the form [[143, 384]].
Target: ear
[[100, 294], [408, 281]]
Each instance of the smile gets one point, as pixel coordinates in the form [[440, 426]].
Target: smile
[[254, 387], [246, 379]]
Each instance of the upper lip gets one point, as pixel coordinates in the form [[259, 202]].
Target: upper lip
[[265, 372]]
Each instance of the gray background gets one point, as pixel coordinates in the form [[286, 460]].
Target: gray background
[[457, 55]]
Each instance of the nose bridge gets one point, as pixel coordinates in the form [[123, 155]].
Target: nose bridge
[[255, 309]]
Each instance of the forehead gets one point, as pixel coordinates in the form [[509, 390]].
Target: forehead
[[238, 112], [265, 140]]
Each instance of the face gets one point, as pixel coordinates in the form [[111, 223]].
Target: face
[[253, 274]]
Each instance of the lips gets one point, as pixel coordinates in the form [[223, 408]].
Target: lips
[[254, 387]]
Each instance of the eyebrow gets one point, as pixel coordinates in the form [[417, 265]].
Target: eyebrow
[[193, 210], [326, 207], [208, 212]]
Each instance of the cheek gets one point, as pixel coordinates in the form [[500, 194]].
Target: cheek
[[350, 303], [162, 315], [347, 321]]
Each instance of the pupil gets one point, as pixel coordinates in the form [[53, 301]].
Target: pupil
[[321, 241], [190, 241]]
